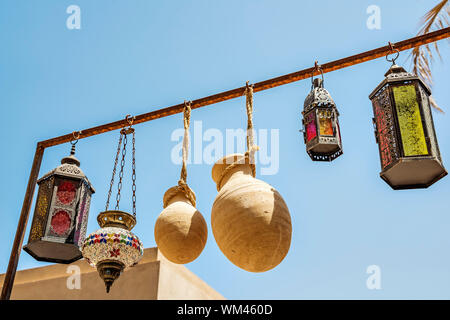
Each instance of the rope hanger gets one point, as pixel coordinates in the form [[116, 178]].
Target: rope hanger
[[182, 182], [249, 155]]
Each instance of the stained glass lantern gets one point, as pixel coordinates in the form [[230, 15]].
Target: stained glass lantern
[[404, 131], [114, 247], [61, 213], [321, 125]]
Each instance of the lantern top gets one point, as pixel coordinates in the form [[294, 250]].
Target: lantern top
[[71, 160], [116, 218], [69, 168], [318, 97], [397, 73]]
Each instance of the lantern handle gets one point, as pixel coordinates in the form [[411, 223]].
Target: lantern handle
[[392, 50], [74, 141], [317, 67]]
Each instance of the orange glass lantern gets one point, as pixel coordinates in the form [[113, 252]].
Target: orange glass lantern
[[321, 125]]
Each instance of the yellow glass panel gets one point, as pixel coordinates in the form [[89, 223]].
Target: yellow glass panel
[[325, 123], [410, 121]]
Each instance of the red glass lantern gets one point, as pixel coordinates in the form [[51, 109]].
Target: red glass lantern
[[321, 125], [61, 213]]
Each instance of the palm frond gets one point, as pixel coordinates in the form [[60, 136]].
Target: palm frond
[[422, 57]]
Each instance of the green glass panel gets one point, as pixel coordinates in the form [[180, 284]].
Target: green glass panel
[[410, 121]]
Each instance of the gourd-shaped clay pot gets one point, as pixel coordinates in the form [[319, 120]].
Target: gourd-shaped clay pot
[[250, 220], [180, 230]]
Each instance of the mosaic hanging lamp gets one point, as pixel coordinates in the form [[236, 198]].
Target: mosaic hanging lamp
[[180, 230], [250, 220], [114, 247], [61, 212], [321, 131], [404, 130]]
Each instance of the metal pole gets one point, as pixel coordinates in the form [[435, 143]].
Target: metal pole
[[259, 86], [21, 227]]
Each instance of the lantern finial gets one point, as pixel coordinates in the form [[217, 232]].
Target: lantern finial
[[71, 159], [109, 271], [318, 83]]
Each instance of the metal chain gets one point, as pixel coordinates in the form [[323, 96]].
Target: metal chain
[[122, 164], [123, 136], [114, 172], [133, 177]]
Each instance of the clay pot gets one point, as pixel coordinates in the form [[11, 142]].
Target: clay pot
[[180, 230], [250, 220]]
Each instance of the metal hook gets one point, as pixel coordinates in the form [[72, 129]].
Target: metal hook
[[130, 120], [392, 51], [317, 67], [75, 137]]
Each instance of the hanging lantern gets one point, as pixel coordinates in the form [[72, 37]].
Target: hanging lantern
[[61, 213], [114, 247], [180, 230], [250, 220], [404, 131], [320, 123]]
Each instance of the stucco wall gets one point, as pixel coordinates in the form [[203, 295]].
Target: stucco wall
[[153, 278]]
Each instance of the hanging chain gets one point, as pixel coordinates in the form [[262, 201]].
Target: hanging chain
[[114, 171], [122, 165], [123, 137]]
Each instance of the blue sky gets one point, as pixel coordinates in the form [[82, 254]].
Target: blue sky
[[132, 57]]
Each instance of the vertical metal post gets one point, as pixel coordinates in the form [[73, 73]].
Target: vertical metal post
[[21, 227]]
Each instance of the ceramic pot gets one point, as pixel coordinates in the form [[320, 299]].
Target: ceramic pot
[[180, 230], [250, 220]]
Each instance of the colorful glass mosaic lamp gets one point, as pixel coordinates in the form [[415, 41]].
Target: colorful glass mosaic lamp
[[404, 130], [61, 212], [320, 123], [114, 247]]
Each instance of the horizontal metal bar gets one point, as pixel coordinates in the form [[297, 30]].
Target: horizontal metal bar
[[259, 86]]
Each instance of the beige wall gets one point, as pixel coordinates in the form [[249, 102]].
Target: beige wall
[[153, 278]]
